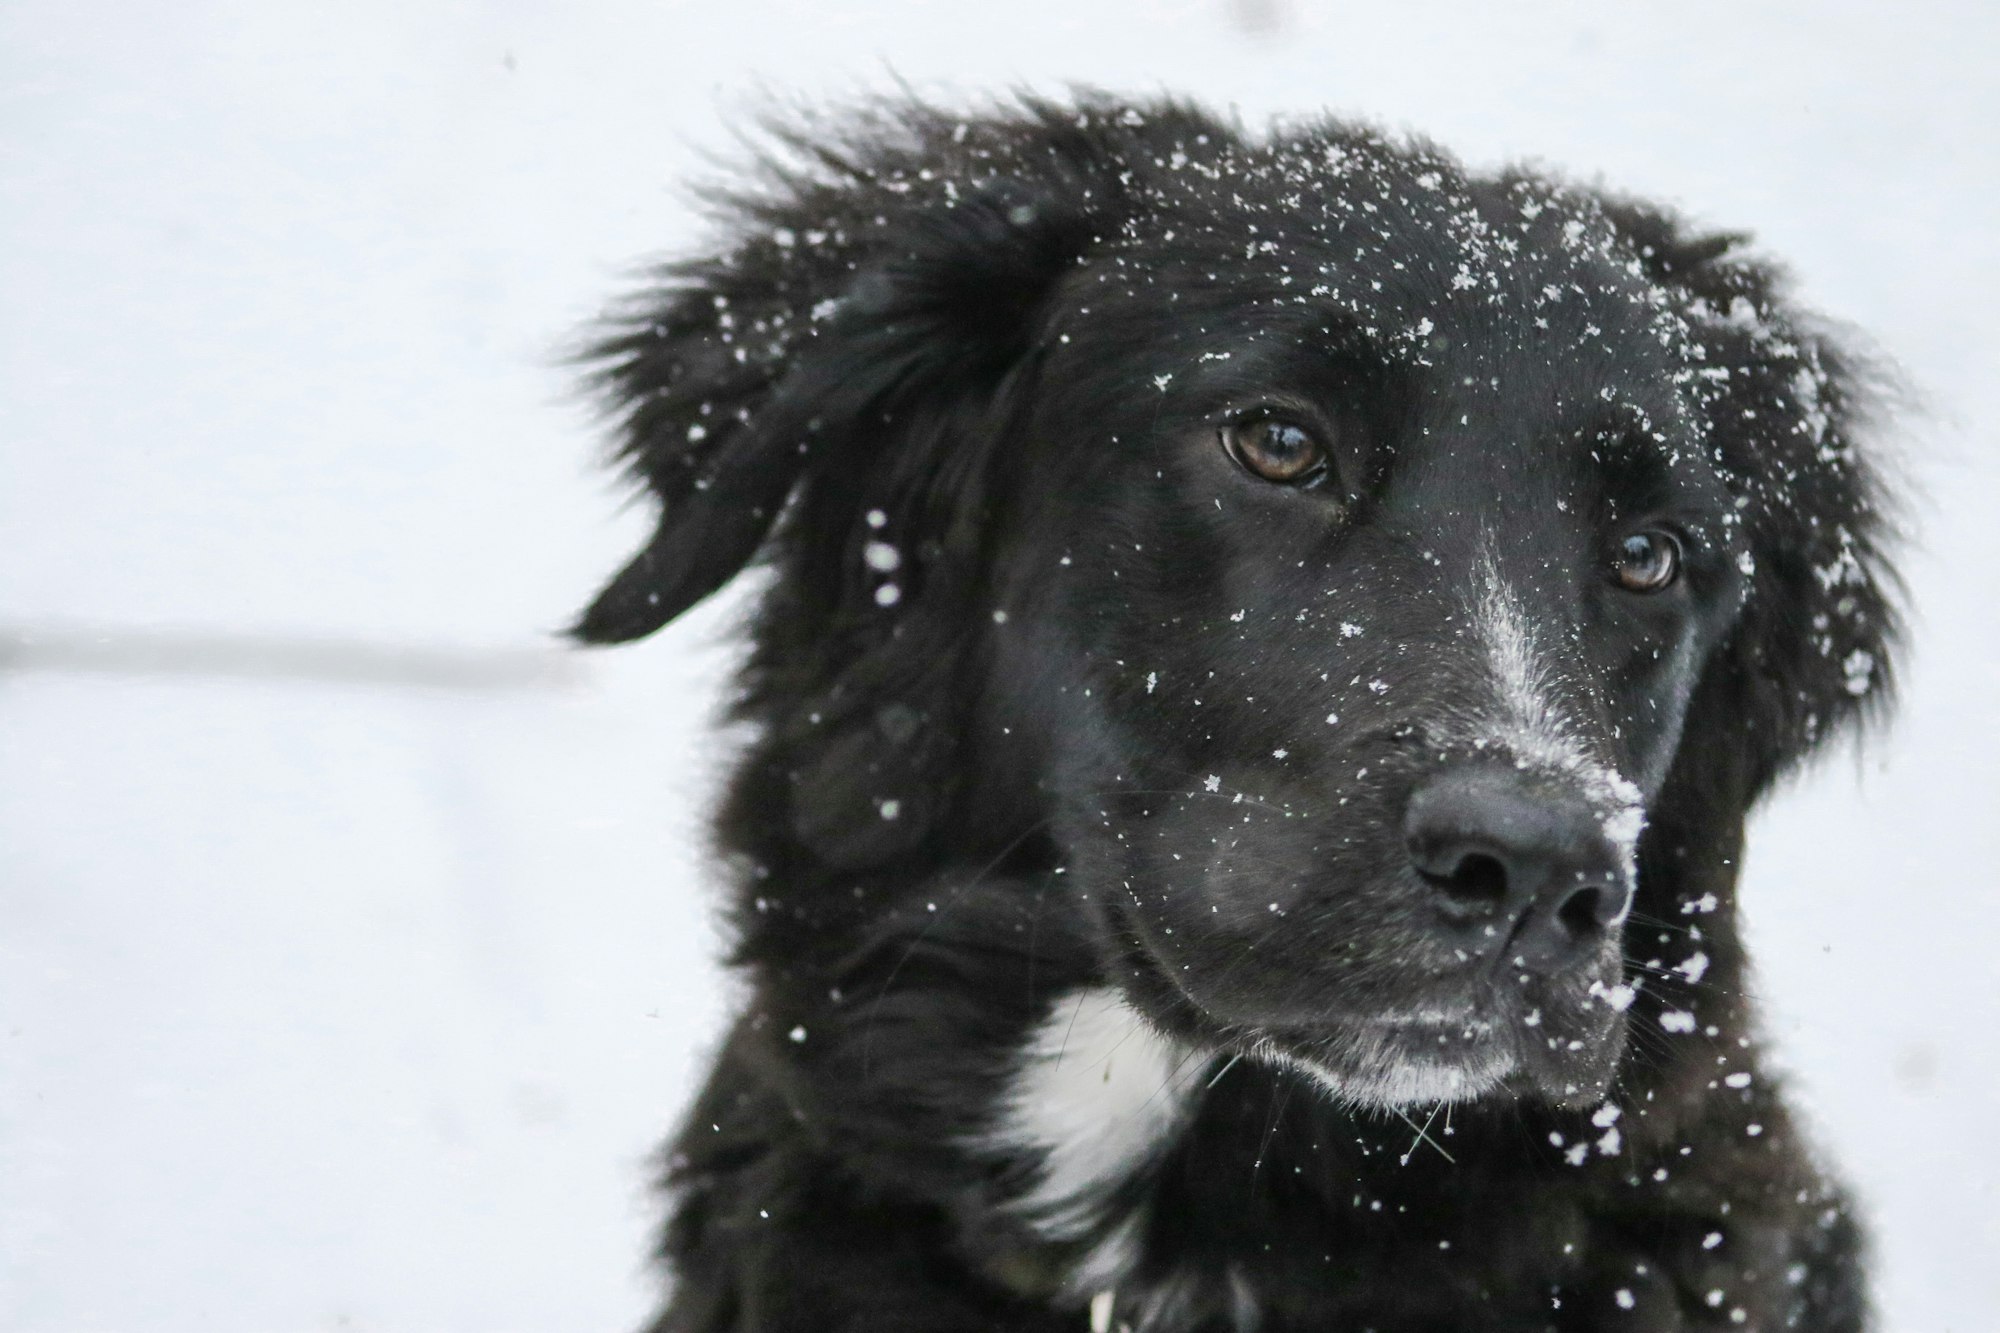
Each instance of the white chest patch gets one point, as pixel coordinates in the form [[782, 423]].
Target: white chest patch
[[1096, 1094]]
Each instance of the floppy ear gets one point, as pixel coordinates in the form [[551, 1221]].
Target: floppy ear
[[1790, 412], [902, 263], [841, 373]]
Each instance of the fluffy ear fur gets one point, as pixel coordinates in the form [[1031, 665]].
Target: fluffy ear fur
[[1789, 411], [848, 357]]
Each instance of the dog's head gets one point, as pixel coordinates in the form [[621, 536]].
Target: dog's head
[[1370, 584]]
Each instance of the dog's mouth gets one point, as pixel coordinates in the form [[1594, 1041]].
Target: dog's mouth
[[1498, 1049], [1396, 1062], [1409, 1059], [1555, 1044]]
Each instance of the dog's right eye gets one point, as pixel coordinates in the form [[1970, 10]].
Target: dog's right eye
[[1648, 561], [1276, 449]]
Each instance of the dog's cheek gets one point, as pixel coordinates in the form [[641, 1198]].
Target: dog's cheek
[[1650, 695], [1332, 893], [1265, 918]]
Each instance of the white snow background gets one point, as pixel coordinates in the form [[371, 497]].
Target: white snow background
[[355, 949]]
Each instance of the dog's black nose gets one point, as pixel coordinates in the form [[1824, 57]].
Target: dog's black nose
[[1523, 872]]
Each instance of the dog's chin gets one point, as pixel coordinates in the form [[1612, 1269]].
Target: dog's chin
[[1397, 1062], [1557, 1050]]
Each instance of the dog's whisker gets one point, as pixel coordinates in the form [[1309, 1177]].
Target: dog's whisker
[[1070, 1030], [1423, 1135], [1281, 1093]]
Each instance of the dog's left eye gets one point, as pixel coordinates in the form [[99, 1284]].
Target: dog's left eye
[[1648, 561], [1276, 449]]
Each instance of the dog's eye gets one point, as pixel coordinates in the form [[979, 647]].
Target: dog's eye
[[1647, 561], [1276, 450]]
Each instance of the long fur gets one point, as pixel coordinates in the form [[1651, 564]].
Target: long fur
[[1058, 712]]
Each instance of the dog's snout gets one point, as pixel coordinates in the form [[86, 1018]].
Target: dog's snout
[[1520, 873]]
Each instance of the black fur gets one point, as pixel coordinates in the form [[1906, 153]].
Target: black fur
[[1084, 740]]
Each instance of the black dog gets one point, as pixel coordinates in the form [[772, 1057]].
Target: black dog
[[1271, 645]]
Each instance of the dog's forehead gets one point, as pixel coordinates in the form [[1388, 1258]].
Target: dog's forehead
[[1508, 295], [1404, 247]]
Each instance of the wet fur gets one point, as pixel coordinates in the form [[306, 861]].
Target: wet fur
[[924, 329]]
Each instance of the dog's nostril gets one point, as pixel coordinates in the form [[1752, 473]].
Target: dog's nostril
[[1583, 912], [1478, 880], [1518, 868]]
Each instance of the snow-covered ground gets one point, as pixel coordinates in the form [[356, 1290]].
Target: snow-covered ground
[[351, 989]]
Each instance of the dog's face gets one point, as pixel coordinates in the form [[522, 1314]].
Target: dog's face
[[1337, 551], [1368, 595]]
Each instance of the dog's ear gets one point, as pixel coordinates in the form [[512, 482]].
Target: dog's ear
[[876, 273], [836, 391], [1791, 418]]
